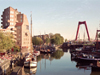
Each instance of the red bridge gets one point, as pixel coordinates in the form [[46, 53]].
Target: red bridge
[[84, 22]]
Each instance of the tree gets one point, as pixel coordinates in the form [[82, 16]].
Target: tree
[[47, 40], [37, 41], [16, 48], [6, 41], [57, 39], [52, 40]]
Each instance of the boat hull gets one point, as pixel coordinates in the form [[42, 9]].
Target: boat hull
[[31, 64]]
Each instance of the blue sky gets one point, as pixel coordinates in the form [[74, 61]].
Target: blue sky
[[58, 16]]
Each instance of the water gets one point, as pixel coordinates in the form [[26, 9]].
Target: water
[[59, 63]]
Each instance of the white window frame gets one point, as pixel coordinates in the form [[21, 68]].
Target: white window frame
[[11, 19], [12, 12], [11, 23], [11, 15]]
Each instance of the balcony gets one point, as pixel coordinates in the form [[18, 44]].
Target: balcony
[[2, 19], [1, 22], [1, 15]]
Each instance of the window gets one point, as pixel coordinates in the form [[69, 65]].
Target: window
[[6, 17], [11, 19], [6, 24], [11, 15], [20, 16], [11, 29], [17, 42], [27, 27], [21, 20], [12, 12], [11, 23], [26, 34]]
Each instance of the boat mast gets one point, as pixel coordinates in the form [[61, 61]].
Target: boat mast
[[31, 33], [84, 37]]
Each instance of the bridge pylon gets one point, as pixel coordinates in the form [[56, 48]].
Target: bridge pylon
[[80, 23]]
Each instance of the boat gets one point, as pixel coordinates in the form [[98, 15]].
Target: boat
[[36, 53], [88, 58], [79, 49], [30, 61], [33, 62]]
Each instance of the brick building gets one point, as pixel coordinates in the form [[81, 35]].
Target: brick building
[[17, 24]]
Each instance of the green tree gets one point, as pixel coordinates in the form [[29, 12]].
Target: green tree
[[37, 41], [16, 48], [6, 41], [47, 40], [57, 39], [52, 41]]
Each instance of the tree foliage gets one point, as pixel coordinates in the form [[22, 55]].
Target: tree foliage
[[16, 48], [47, 40], [6, 41], [53, 39], [57, 39], [37, 41]]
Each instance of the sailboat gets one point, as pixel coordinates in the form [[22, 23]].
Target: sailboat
[[30, 59]]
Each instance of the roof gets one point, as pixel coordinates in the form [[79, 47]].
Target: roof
[[19, 24]]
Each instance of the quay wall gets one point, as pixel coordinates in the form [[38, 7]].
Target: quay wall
[[4, 66]]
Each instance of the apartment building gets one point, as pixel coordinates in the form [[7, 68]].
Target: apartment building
[[17, 24]]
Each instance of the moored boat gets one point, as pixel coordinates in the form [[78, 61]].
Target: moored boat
[[30, 61], [37, 53], [79, 49]]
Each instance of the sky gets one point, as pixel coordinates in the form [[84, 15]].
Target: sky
[[59, 16]]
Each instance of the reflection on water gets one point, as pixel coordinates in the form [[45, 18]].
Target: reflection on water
[[31, 71], [56, 55], [61, 63]]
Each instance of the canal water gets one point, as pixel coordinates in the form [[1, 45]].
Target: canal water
[[59, 63]]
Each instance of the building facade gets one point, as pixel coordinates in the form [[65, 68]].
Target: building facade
[[17, 24]]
